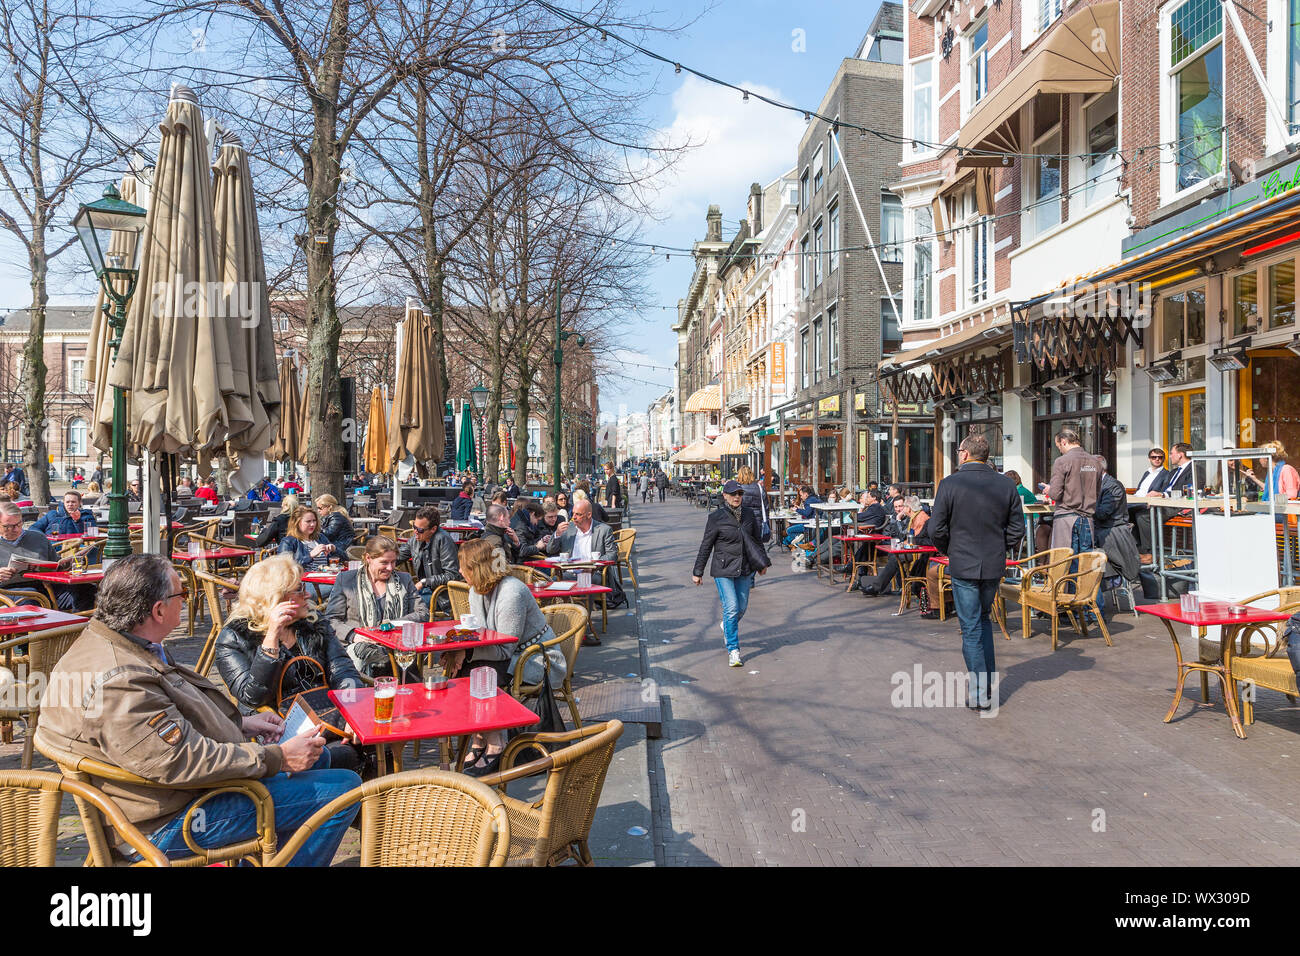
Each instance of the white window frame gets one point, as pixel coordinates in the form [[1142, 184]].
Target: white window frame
[[833, 331], [818, 171], [1098, 192], [818, 248], [832, 154], [975, 231], [818, 334], [892, 251], [74, 448], [77, 380], [804, 338], [969, 59], [1169, 191], [1277, 70], [833, 234], [1035, 207], [920, 136], [910, 247], [805, 245]]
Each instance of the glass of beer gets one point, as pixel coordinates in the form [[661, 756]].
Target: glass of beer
[[385, 696]]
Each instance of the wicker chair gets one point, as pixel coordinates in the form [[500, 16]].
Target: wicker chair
[[1209, 650], [420, 818], [1075, 593], [458, 594], [625, 539], [30, 804], [1271, 668], [530, 576], [214, 589], [569, 622], [44, 648], [10, 597], [258, 850], [549, 831], [1039, 573]]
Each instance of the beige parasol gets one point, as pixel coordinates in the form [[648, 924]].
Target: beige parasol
[[416, 427], [98, 355], [290, 443], [375, 456], [253, 407], [698, 452], [174, 358]]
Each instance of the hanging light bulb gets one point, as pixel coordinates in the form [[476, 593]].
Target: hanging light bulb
[[746, 97], [677, 68]]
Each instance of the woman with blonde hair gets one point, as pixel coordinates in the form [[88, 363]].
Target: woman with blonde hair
[[335, 527], [278, 526], [271, 625], [303, 540], [502, 603]]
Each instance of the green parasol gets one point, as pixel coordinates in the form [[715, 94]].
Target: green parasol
[[465, 447]]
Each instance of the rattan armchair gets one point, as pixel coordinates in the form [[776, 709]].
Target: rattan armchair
[[420, 818], [1039, 573], [216, 590], [458, 594], [569, 622], [625, 538], [258, 850], [530, 576], [548, 831], [1210, 650], [23, 700], [1271, 668], [30, 804], [9, 597], [1071, 592]]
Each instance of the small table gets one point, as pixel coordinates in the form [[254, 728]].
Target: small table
[[318, 578], [921, 549], [1211, 614], [596, 590], [424, 715], [857, 539], [60, 538], [213, 554], [26, 620], [433, 629], [49, 578]]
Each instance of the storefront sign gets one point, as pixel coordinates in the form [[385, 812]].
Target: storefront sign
[[860, 402], [778, 367], [829, 406]]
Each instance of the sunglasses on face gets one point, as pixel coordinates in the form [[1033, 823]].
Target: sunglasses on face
[[1157, 457]]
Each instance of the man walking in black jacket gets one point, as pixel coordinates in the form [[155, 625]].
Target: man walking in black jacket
[[976, 519]]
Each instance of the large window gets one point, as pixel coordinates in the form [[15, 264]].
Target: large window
[[818, 248], [817, 350], [891, 338], [923, 104], [1275, 308], [922, 264], [803, 191], [977, 63], [1045, 183], [77, 375], [833, 235], [1196, 85], [977, 251], [1101, 164], [833, 324], [803, 359], [1048, 11], [805, 266], [77, 437], [819, 176], [891, 228], [832, 150], [1182, 320]]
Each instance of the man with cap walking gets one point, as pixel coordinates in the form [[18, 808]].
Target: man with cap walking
[[731, 535]]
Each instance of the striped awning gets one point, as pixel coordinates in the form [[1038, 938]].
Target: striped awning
[[733, 442], [706, 399]]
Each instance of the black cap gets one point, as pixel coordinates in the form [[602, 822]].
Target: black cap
[[732, 487]]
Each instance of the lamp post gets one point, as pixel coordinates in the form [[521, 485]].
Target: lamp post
[[111, 232], [479, 396], [557, 431], [510, 412]]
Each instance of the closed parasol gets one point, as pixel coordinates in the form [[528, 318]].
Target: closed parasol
[[175, 357], [290, 441], [376, 450], [416, 428], [465, 446]]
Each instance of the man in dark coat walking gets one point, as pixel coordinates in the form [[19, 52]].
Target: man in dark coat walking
[[977, 518]]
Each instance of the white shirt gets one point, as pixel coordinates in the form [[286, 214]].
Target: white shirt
[[582, 543], [1145, 484]]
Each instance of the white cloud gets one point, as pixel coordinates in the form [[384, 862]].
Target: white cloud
[[740, 143]]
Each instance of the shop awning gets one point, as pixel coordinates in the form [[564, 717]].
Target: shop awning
[[1079, 55], [941, 205], [733, 442], [999, 328], [706, 399]]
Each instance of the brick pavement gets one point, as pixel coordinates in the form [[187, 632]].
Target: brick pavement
[[800, 757]]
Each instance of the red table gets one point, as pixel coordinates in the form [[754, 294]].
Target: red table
[[554, 564], [213, 554], [66, 577], [176, 526], [11, 623], [1211, 614], [424, 715], [317, 578], [388, 639], [596, 590], [58, 538]]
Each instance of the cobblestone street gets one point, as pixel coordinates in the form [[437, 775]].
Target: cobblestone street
[[799, 757]]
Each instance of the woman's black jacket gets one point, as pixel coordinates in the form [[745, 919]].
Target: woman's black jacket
[[722, 538]]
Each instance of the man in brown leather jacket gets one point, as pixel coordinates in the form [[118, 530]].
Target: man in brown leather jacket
[[140, 710], [1076, 482]]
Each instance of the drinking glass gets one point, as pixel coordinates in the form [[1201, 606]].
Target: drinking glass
[[584, 579], [354, 565], [1187, 602], [411, 637], [196, 549], [483, 683], [385, 695], [78, 564]]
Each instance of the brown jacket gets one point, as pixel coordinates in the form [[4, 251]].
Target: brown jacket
[[1076, 482], [159, 721]]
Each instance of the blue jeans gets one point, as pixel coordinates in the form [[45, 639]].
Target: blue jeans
[[734, 594], [793, 532], [231, 818], [973, 599]]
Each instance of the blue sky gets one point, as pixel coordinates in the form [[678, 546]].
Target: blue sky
[[787, 51], [753, 45]]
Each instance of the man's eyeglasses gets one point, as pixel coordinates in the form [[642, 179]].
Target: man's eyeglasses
[[1156, 457]]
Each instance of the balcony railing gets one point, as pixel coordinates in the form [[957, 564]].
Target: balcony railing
[[738, 398]]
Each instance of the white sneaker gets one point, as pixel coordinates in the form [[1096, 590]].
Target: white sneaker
[[733, 658]]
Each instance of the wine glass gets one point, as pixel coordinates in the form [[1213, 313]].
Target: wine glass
[[407, 642], [78, 563]]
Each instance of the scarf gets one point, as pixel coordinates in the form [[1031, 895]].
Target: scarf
[[394, 600], [735, 512]]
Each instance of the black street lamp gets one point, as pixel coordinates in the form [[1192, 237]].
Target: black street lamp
[[112, 233], [479, 396]]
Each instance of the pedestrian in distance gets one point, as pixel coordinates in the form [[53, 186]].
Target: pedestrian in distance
[[731, 536], [977, 519]]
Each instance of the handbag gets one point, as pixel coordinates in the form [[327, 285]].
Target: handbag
[[766, 535], [538, 667], [316, 698], [755, 554]]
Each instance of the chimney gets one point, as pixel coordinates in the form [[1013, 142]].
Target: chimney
[[715, 224], [756, 208]]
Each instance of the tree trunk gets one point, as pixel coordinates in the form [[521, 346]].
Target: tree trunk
[[521, 432], [35, 451]]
